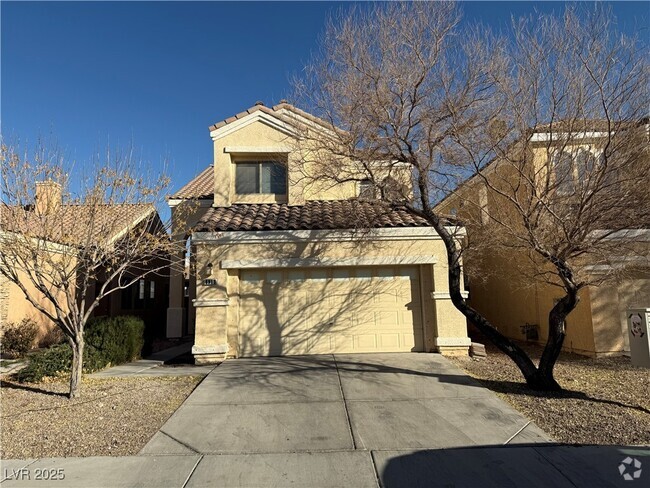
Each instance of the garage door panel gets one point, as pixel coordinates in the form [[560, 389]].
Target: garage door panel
[[320, 311], [412, 317], [408, 341], [387, 319], [389, 341]]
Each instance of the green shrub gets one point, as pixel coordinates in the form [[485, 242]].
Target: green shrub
[[109, 341], [118, 339], [50, 362], [52, 337], [57, 361], [18, 338]]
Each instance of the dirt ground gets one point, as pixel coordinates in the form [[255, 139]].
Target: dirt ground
[[605, 401], [112, 417]]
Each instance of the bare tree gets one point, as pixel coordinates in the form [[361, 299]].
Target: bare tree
[[63, 237], [569, 162], [405, 87]]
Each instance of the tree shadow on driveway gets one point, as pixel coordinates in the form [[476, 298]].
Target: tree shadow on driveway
[[274, 371]]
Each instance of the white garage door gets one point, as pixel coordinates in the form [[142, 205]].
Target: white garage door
[[327, 310]]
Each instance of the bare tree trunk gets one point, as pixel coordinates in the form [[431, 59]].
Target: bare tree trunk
[[518, 355], [77, 365], [514, 352], [556, 335]]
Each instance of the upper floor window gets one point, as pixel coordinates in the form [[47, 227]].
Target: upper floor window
[[367, 190], [563, 173], [577, 169], [388, 189], [266, 177]]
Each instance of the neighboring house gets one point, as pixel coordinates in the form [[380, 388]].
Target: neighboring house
[[282, 267], [146, 299], [519, 307]]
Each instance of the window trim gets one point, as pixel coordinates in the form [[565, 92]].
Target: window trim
[[577, 169], [568, 185], [367, 185], [259, 162]]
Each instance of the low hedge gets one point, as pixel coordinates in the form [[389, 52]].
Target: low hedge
[[57, 360], [117, 339], [109, 341], [18, 337]]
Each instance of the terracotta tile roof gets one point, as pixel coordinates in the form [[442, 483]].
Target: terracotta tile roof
[[337, 214], [260, 107], [202, 186], [69, 224]]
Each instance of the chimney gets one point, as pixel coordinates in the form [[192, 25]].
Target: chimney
[[48, 196]]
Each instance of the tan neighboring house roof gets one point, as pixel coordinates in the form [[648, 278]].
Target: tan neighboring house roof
[[108, 221], [201, 187], [313, 215], [588, 125]]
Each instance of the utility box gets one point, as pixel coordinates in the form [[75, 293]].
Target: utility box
[[638, 321]]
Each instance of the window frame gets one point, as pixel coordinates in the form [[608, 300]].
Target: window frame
[[564, 178], [367, 190], [259, 175]]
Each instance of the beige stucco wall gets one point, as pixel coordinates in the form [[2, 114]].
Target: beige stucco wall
[[258, 140], [184, 216], [510, 302], [14, 307], [500, 291], [217, 324], [610, 302]]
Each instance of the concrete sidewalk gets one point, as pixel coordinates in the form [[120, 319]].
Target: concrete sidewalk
[[489, 466], [154, 365]]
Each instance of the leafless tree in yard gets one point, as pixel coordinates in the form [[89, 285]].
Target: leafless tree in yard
[[98, 229], [569, 162], [408, 87]]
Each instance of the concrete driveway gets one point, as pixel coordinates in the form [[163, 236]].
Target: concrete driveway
[[343, 407], [372, 420], [339, 403]]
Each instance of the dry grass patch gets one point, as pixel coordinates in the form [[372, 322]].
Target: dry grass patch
[[606, 400], [113, 416]]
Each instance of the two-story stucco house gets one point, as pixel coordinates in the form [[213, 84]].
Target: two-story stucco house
[[518, 305], [280, 267]]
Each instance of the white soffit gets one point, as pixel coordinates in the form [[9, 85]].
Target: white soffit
[[257, 149], [327, 262], [273, 236], [559, 136], [257, 116]]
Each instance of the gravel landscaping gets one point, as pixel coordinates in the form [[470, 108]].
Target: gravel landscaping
[[606, 400], [113, 417]]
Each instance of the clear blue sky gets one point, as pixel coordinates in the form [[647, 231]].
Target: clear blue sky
[[88, 74]]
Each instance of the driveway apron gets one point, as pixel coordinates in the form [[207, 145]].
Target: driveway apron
[[339, 403]]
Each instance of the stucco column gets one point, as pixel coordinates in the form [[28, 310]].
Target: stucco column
[[451, 325], [175, 311], [211, 308]]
